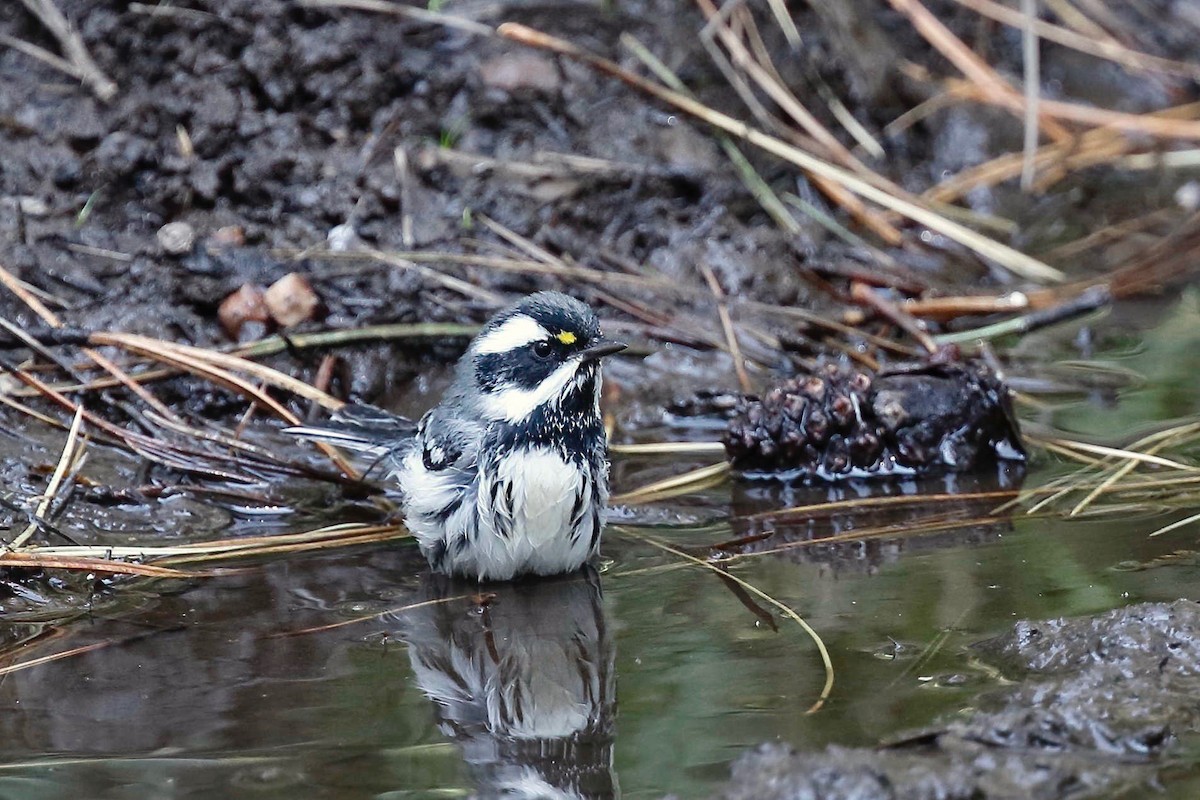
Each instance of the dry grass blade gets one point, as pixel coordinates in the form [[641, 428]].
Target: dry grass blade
[[752, 589], [72, 452], [50, 318], [193, 358], [37, 662], [1099, 146], [665, 489], [1101, 47], [411, 12], [855, 504], [274, 548], [785, 99], [1019, 263], [1176, 525], [170, 454], [1152, 124], [216, 367], [669, 449], [1113, 472], [1152, 443], [1114, 452], [761, 190], [1033, 83], [981, 75], [321, 538], [464, 288], [104, 566], [437, 331], [41, 54], [904, 530]]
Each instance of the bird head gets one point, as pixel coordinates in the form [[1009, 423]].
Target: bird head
[[543, 353]]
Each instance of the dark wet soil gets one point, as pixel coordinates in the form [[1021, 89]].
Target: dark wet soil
[[282, 124], [1097, 704], [266, 125]]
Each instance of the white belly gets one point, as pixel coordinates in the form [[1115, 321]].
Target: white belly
[[532, 513]]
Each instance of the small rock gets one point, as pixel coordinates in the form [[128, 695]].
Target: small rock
[[33, 206], [1188, 196], [290, 300], [245, 305], [520, 70], [177, 238], [342, 237], [228, 236]]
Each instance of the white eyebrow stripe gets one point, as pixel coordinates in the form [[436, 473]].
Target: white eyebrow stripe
[[513, 333]]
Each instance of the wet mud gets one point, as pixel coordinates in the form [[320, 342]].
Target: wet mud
[[1096, 706]]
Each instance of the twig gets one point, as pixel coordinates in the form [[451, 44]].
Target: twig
[[735, 350], [946, 308], [73, 48], [1086, 301], [65, 462], [1032, 91]]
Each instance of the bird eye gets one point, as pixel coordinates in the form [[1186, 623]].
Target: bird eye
[[543, 349]]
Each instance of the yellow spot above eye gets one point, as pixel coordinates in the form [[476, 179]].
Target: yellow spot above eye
[[566, 337]]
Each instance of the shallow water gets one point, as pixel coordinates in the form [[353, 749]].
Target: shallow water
[[315, 676]]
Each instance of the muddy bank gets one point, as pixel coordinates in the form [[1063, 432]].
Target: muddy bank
[[281, 127], [1098, 702]]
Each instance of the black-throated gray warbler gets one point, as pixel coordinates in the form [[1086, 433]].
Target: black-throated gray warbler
[[508, 475]]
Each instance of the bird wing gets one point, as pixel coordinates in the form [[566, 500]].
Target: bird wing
[[448, 439]]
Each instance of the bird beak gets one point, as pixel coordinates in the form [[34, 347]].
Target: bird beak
[[599, 350]]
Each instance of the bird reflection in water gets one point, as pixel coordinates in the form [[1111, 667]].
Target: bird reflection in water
[[522, 678]]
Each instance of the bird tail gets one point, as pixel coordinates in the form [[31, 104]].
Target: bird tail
[[361, 428]]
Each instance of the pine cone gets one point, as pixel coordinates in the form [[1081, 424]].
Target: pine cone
[[841, 422]]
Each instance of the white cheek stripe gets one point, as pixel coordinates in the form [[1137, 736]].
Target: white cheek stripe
[[513, 333], [512, 404]]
